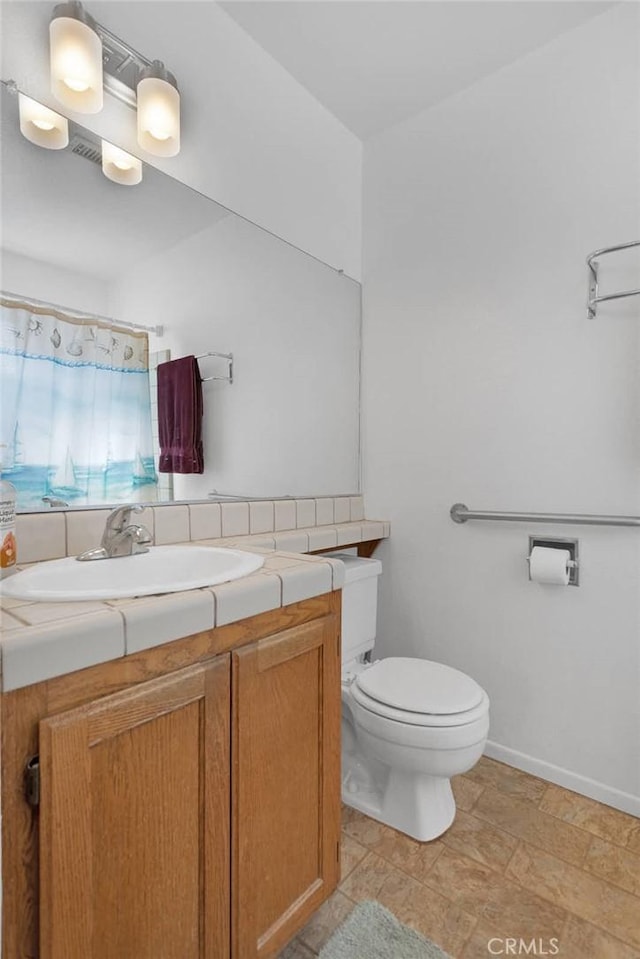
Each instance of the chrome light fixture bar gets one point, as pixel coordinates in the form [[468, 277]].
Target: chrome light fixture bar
[[125, 73]]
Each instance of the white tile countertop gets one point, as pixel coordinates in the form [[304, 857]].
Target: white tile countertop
[[39, 641]]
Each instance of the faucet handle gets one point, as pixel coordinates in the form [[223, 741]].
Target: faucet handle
[[119, 518], [141, 538], [141, 535]]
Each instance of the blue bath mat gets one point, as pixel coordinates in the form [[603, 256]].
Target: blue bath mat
[[372, 932]]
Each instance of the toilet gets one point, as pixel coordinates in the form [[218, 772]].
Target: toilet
[[408, 725]]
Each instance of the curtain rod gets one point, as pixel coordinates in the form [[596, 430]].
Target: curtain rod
[[27, 300]]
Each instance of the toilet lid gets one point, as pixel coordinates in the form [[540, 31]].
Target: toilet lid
[[420, 686]]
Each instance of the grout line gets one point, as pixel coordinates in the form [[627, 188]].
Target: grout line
[[542, 797], [569, 792], [510, 831], [394, 865], [592, 925], [589, 832], [477, 799], [476, 921], [511, 857], [545, 849], [344, 835], [124, 629], [603, 882]]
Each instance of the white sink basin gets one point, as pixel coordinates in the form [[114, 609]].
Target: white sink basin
[[164, 569]]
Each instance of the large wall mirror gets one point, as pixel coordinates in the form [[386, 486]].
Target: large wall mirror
[[160, 254]]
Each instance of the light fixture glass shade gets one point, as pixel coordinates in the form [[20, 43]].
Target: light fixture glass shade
[[158, 117], [41, 125], [76, 63], [119, 166]]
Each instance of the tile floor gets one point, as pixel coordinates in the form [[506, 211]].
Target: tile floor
[[523, 859]]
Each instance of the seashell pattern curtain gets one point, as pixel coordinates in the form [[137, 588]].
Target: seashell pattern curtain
[[75, 409]]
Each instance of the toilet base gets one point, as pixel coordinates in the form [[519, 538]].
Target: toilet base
[[421, 806]]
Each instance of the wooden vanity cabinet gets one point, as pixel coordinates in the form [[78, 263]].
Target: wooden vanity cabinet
[[286, 784], [134, 821], [191, 812]]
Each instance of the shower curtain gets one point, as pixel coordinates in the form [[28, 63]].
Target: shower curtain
[[75, 414]]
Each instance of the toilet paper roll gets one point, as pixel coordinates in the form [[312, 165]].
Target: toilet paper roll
[[548, 565]]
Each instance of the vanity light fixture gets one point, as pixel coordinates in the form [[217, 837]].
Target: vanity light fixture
[[86, 57], [158, 111], [41, 125], [119, 166], [75, 58]]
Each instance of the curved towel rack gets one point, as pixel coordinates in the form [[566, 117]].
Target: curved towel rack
[[594, 296], [460, 513], [225, 356]]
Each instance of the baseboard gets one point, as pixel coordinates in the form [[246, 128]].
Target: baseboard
[[626, 802]]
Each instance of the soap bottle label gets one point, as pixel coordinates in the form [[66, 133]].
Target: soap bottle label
[[8, 548]]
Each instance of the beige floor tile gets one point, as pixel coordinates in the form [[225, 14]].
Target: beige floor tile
[[524, 820], [351, 815], [368, 878], [351, 853], [297, 950], [492, 898], [325, 921], [524, 859], [367, 831], [465, 792], [614, 864], [586, 896], [600, 820], [478, 946], [430, 913], [581, 940], [633, 842], [477, 839], [413, 857], [488, 772], [457, 926]]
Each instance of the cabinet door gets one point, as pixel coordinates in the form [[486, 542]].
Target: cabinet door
[[134, 822], [286, 783]]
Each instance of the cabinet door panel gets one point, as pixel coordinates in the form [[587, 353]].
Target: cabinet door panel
[[286, 769], [134, 822]]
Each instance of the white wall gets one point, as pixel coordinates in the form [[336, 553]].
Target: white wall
[[485, 383], [44, 281], [252, 137], [289, 423]]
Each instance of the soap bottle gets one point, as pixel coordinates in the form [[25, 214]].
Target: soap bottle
[[8, 550]]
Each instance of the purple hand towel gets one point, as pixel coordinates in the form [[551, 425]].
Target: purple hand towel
[[180, 416]]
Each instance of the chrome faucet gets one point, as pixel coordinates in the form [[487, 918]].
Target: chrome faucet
[[54, 501], [120, 538]]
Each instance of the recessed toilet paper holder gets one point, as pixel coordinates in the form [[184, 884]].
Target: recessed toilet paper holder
[[554, 542]]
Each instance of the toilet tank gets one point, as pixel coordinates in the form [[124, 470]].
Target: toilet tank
[[359, 604]]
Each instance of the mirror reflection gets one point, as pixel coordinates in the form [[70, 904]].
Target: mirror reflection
[[92, 270]]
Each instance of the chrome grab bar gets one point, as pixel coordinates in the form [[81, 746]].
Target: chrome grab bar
[[460, 513]]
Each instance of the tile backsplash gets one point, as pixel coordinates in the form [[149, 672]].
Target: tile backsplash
[[297, 524]]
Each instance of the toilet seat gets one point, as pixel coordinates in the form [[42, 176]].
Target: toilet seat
[[419, 692]]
